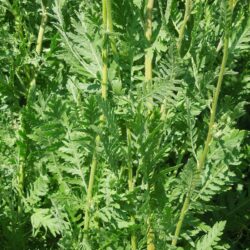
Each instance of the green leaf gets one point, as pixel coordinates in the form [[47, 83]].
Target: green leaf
[[211, 240]]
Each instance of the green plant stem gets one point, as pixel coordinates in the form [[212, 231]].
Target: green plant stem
[[104, 96], [110, 26], [91, 185], [148, 35], [150, 236], [202, 159], [39, 44], [148, 81], [181, 218], [104, 70], [188, 8], [131, 186], [105, 49], [14, 8], [44, 20], [31, 88], [110, 32]]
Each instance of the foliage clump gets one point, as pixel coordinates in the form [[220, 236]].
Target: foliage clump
[[124, 124]]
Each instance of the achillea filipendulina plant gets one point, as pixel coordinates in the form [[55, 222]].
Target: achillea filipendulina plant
[[114, 136]]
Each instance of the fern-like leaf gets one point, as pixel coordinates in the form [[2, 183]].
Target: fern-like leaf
[[211, 240]]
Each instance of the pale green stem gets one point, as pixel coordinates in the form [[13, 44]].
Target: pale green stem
[[91, 185], [150, 236], [104, 70], [188, 8], [148, 35], [44, 20], [202, 159], [148, 81], [110, 26], [180, 221], [32, 86], [131, 186], [110, 32], [39, 44], [104, 96]]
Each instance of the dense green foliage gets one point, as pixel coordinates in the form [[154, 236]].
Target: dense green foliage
[[146, 138]]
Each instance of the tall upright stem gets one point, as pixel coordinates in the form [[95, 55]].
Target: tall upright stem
[[202, 159], [148, 35], [24, 149], [31, 88], [107, 23], [148, 81], [150, 236], [131, 185], [39, 44], [110, 26], [111, 35], [91, 185], [188, 8], [41, 29]]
